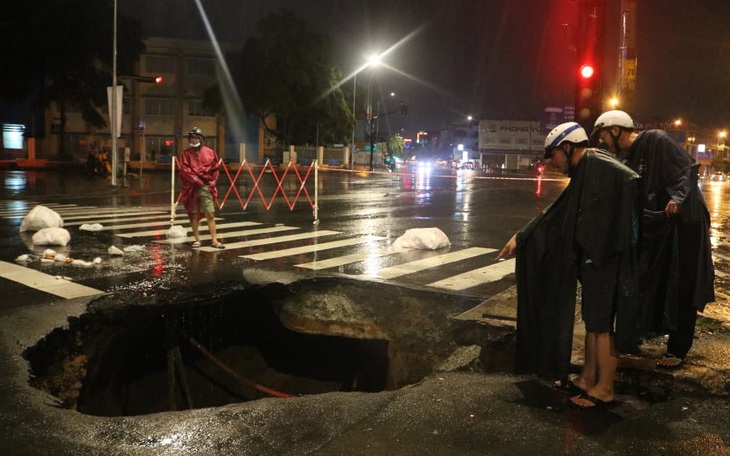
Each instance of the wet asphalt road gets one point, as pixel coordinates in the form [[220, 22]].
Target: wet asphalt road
[[371, 211], [446, 414]]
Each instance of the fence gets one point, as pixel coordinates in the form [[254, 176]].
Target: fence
[[290, 180]]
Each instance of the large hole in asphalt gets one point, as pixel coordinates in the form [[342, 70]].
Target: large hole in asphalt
[[136, 353]]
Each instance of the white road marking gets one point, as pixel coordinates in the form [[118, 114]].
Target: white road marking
[[432, 262], [44, 282], [343, 260], [311, 248], [203, 227], [272, 240], [476, 277], [126, 217], [233, 245]]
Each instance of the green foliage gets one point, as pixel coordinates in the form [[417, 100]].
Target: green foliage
[[396, 145], [287, 72]]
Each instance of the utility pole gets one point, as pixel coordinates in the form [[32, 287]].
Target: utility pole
[[626, 76], [590, 68]]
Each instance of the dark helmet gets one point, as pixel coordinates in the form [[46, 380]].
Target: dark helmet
[[196, 131]]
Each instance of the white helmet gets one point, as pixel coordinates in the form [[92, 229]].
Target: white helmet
[[570, 132], [614, 118]]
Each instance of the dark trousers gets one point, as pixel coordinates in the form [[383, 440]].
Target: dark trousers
[[681, 339]]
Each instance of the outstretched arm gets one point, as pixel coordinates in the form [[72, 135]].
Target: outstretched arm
[[509, 248]]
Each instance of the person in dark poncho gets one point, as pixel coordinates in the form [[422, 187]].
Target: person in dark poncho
[[588, 234], [676, 273]]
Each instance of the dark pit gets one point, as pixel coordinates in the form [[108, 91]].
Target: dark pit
[[136, 353]]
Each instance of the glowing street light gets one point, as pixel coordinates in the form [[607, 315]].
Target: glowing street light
[[373, 60]]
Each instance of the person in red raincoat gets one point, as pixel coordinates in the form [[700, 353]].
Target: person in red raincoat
[[199, 173]]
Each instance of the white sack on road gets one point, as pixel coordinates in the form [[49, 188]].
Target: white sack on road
[[422, 239], [41, 217], [52, 236], [91, 227], [177, 231], [113, 250]]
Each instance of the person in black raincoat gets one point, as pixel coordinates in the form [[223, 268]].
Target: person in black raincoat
[[588, 234], [677, 274]]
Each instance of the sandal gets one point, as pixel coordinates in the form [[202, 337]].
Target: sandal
[[670, 362], [595, 403], [567, 386], [196, 244], [218, 245]]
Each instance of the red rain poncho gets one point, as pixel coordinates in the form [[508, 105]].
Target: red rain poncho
[[198, 167]]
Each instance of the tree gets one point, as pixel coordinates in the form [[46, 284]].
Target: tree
[[287, 72], [396, 145], [61, 52]]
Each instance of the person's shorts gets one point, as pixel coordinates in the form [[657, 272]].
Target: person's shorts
[[599, 295], [206, 200]]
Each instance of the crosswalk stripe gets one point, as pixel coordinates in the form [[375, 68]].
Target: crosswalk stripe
[[476, 277], [343, 260], [203, 227], [94, 212], [431, 262], [207, 237], [272, 240], [22, 212], [122, 217], [311, 248], [50, 284]]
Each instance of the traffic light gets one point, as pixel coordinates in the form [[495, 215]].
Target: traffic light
[[588, 96], [589, 72], [151, 79]]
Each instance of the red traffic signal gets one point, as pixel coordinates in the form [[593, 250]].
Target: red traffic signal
[[151, 79], [587, 71]]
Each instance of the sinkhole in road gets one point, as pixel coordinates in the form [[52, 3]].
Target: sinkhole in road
[[135, 353]]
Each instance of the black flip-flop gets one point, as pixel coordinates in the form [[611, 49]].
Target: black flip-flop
[[597, 403], [567, 386], [676, 361]]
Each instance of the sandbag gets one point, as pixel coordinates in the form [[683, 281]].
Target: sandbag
[[52, 236], [176, 231], [422, 239], [41, 217]]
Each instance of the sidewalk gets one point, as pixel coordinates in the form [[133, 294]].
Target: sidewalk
[[706, 370]]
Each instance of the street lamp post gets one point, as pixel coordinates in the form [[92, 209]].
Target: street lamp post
[[373, 121], [354, 115], [113, 113]]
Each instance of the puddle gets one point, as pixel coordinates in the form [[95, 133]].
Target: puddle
[[134, 354]]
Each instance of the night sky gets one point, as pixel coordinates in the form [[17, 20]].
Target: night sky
[[498, 59]]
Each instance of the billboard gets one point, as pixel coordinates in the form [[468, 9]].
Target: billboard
[[511, 135]]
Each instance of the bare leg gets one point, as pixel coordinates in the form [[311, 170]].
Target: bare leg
[[587, 378], [607, 361], [210, 218], [194, 226]]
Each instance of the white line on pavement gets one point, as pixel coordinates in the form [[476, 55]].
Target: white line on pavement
[[272, 240], [476, 277], [45, 282], [311, 248], [431, 262], [233, 245]]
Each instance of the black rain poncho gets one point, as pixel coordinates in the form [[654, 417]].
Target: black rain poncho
[[668, 172], [595, 217]]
